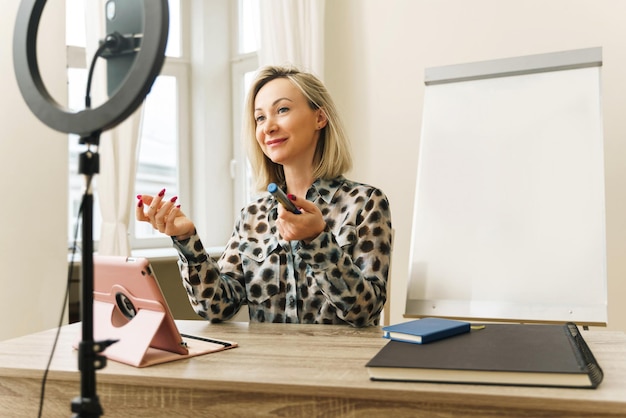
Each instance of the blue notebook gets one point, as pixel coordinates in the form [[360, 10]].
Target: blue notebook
[[425, 330]]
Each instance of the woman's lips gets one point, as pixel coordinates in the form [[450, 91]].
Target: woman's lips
[[276, 141]]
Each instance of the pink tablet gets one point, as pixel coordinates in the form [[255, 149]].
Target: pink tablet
[[129, 307], [131, 286]]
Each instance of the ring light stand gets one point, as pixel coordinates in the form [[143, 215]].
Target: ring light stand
[[88, 124]]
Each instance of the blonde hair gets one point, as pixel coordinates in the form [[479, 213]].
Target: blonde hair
[[332, 155]]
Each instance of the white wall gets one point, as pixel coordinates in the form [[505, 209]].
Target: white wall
[[33, 181], [376, 53]]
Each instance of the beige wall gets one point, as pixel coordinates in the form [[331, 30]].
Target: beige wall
[[376, 53], [33, 182]]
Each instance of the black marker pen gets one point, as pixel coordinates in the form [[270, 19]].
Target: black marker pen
[[282, 198]]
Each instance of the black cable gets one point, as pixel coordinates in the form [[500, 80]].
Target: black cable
[[65, 301], [99, 52], [113, 42]]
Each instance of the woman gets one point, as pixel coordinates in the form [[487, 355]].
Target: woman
[[329, 264]]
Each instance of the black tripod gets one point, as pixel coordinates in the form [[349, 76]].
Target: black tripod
[[89, 123], [89, 357]]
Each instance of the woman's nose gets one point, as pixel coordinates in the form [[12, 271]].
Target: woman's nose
[[269, 125]]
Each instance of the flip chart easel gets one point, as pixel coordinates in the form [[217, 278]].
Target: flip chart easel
[[509, 214]]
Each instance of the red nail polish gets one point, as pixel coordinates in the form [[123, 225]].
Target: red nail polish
[[140, 203], [174, 199], [162, 193], [139, 196], [291, 197], [177, 206]]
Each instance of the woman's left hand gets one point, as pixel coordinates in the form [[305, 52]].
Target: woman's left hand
[[305, 226]]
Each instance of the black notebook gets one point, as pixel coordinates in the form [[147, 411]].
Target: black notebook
[[499, 354]]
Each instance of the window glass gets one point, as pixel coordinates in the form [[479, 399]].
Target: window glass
[[174, 44], [250, 190], [249, 28], [158, 150], [243, 71], [75, 23]]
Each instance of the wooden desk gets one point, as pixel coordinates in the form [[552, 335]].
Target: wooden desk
[[285, 370]]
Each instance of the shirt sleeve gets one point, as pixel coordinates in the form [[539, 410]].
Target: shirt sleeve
[[215, 289], [352, 268]]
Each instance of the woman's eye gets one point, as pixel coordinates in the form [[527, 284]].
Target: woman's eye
[[283, 109], [259, 119]]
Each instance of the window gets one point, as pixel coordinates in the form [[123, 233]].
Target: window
[[158, 157], [164, 132], [190, 140]]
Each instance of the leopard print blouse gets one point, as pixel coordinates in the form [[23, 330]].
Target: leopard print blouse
[[340, 277]]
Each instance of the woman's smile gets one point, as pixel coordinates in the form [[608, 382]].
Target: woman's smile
[[275, 142]]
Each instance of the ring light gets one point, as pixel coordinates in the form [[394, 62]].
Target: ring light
[[126, 99]]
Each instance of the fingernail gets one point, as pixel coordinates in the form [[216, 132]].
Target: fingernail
[[140, 203], [139, 196], [174, 199], [177, 206], [291, 197], [162, 192]]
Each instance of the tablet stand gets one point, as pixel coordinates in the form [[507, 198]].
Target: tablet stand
[[134, 337]]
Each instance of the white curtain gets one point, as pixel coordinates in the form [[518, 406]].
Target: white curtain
[[116, 185], [118, 150], [292, 32]]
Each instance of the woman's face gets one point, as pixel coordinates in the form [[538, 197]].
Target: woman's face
[[287, 129]]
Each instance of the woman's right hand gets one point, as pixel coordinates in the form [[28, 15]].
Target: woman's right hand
[[164, 215]]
